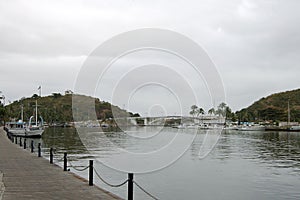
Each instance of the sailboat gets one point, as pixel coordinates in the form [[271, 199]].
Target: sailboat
[[17, 128], [35, 129], [293, 127]]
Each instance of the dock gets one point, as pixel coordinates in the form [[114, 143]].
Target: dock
[[25, 176]]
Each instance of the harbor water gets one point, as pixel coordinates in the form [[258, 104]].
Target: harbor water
[[243, 165]]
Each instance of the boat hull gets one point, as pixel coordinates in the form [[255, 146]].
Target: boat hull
[[17, 131], [295, 128], [33, 132], [252, 128]]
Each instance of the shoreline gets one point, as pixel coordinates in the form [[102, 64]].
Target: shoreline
[[26, 176]]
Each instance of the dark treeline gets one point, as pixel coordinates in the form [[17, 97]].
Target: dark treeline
[[55, 108], [273, 108]]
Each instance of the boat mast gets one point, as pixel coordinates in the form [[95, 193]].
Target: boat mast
[[36, 112], [22, 111], [289, 114]]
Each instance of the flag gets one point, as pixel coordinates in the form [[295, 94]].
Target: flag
[[40, 90]]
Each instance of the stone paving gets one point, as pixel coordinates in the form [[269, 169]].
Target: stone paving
[[26, 176]]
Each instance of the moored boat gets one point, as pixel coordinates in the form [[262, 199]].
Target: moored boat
[[294, 128], [16, 128], [252, 128], [35, 129]]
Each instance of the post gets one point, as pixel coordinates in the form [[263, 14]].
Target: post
[[65, 161], [39, 150], [20, 141], [130, 186], [91, 173], [51, 155], [24, 143], [16, 140], [32, 147]]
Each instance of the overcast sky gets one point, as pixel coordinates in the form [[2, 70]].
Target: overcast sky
[[255, 44]]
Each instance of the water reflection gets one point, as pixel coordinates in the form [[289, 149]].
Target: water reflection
[[276, 149], [63, 140], [243, 165]]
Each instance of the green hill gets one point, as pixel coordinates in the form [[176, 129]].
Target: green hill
[[273, 108], [56, 108]]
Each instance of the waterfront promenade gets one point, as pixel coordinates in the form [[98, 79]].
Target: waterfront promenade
[[27, 176]]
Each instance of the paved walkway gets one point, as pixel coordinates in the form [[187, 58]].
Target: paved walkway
[[26, 176]]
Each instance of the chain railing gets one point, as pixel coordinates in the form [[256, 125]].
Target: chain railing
[[145, 191], [78, 168], [130, 181], [109, 184]]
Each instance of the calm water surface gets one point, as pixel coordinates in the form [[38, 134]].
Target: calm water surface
[[243, 165]]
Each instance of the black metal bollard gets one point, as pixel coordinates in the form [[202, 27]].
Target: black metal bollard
[[51, 155], [91, 175], [65, 161], [39, 150], [24, 143], [16, 140], [32, 147], [20, 141], [130, 186]]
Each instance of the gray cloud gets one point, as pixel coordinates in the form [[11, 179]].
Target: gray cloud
[[255, 44]]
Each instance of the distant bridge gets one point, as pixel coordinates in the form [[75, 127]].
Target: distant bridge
[[173, 119]]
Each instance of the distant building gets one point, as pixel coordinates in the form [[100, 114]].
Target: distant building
[[68, 92], [286, 123]]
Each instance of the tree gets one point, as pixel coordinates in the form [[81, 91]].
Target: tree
[[200, 111], [211, 111], [193, 111], [221, 109], [35, 96], [222, 106], [2, 113], [228, 113], [136, 115], [56, 95]]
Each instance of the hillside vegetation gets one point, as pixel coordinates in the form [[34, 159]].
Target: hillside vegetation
[[273, 108], [56, 108]]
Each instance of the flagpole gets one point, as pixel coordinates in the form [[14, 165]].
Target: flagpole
[[40, 91]]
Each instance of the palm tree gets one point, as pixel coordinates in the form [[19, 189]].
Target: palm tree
[[193, 111], [211, 111], [221, 109], [200, 111], [222, 106], [228, 112]]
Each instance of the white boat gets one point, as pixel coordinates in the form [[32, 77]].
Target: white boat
[[231, 128], [181, 126], [295, 128], [252, 128], [16, 128], [35, 129], [204, 126]]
